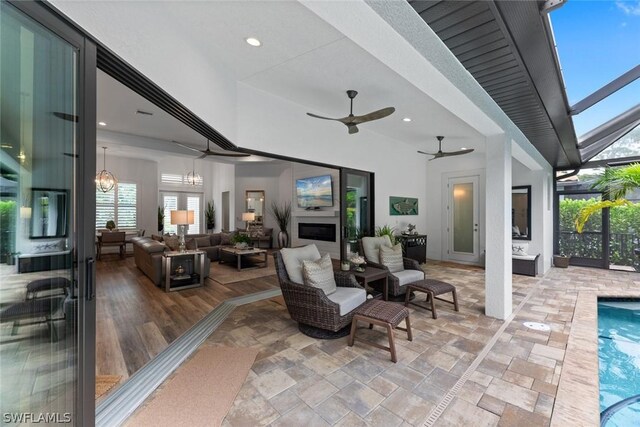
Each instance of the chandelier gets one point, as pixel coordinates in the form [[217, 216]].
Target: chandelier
[[105, 180], [193, 178]]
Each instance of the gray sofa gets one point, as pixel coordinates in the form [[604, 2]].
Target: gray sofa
[[147, 254]]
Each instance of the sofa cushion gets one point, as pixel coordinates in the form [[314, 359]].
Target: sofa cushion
[[292, 258], [156, 237], [215, 239], [392, 258], [519, 248], [408, 276], [151, 246], [190, 244], [371, 247], [348, 298], [225, 239], [203, 242], [319, 274], [171, 242]]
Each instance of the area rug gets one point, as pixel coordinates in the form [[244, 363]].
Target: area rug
[[104, 384], [228, 273], [201, 391]]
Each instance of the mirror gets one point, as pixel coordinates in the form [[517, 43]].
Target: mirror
[[255, 204], [48, 213], [521, 212]]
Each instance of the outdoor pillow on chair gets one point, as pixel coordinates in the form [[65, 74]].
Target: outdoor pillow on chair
[[392, 258], [319, 274], [371, 247], [292, 259]]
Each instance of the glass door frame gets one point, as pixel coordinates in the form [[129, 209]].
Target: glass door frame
[[370, 176], [83, 200], [582, 261]]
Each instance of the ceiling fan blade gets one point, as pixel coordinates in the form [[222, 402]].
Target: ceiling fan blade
[[428, 154], [457, 153], [375, 115], [438, 155], [225, 154], [187, 147], [353, 129], [324, 118]]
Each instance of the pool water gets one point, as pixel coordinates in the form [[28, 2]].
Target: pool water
[[619, 355]]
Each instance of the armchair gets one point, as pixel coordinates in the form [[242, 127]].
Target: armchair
[[370, 246], [318, 316]]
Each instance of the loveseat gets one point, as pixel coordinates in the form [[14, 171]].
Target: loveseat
[[147, 254]]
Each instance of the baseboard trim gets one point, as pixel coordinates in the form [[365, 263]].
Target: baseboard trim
[[123, 402]]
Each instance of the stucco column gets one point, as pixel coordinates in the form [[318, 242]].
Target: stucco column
[[498, 228]]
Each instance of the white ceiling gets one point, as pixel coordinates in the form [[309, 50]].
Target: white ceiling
[[302, 59]]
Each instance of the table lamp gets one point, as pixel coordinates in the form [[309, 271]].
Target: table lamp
[[248, 217], [181, 218]]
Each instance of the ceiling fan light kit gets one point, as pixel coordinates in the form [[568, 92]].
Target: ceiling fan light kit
[[441, 153], [351, 121]]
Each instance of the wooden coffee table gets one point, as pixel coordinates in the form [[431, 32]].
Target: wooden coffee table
[[372, 274], [252, 258]]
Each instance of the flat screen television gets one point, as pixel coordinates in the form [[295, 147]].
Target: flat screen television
[[314, 192]]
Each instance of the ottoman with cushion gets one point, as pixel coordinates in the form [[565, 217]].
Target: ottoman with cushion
[[385, 314], [42, 285], [432, 288]]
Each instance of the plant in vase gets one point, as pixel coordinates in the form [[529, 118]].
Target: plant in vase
[[210, 215], [282, 215], [160, 219], [241, 241], [111, 225], [386, 230]]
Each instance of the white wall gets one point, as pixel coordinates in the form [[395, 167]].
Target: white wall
[[221, 176], [267, 177], [143, 173]]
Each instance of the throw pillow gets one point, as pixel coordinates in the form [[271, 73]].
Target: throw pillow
[[371, 247], [190, 244], [203, 242], [519, 249], [319, 274], [292, 259], [225, 238], [215, 239], [171, 242], [255, 231], [392, 258]]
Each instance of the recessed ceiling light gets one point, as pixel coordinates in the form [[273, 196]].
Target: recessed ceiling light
[[102, 123], [463, 148], [406, 119], [253, 41]]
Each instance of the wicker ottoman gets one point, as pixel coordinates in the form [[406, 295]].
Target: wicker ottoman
[[432, 288], [42, 285], [385, 314]]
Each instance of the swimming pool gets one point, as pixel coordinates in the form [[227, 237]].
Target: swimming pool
[[619, 356]]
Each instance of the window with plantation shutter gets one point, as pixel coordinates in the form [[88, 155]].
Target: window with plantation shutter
[[118, 205], [193, 204], [170, 203]]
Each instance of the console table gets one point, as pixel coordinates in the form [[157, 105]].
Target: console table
[[183, 270], [44, 261], [414, 246]]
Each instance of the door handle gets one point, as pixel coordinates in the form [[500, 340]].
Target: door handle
[[90, 282]]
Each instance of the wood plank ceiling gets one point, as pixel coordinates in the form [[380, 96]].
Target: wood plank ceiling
[[506, 48]]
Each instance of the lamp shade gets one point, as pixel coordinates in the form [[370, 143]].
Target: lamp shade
[[182, 217], [249, 216]]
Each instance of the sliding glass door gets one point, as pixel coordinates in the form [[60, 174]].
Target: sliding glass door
[[356, 197], [46, 225]]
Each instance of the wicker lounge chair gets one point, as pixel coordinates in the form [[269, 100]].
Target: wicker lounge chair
[[396, 281], [316, 314]]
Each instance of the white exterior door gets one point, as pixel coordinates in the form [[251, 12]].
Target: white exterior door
[[463, 220]]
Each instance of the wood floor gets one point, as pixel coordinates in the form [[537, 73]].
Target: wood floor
[[136, 320]]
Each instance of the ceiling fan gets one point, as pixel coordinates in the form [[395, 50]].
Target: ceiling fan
[[351, 121], [209, 152], [441, 153]]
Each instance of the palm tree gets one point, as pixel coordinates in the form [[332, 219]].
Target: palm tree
[[614, 183]]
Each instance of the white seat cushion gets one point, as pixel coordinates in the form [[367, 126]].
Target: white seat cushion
[[525, 257], [371, 247], [348, 298], [292, 258], [408, 276]]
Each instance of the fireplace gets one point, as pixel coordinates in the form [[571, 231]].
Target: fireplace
[[324, 232]]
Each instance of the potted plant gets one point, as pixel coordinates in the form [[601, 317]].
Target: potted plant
[[160, 219], [210, 215], [282, 215], [241, 241], [561, 260], [111, 225], [386, 230]]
